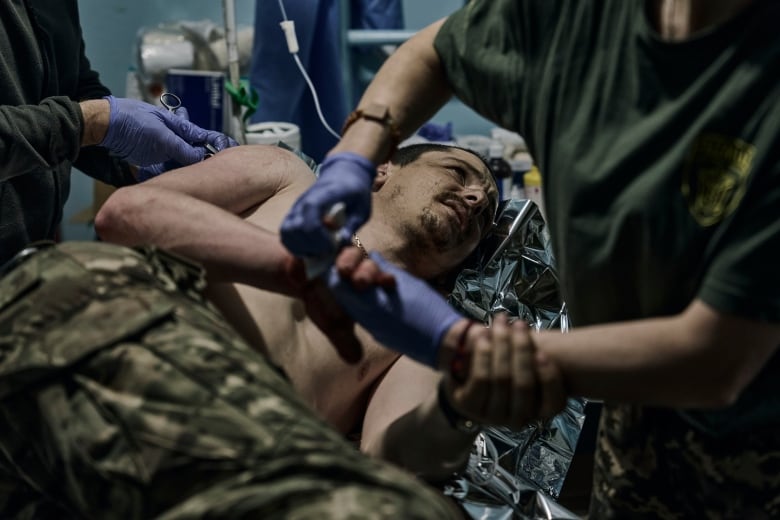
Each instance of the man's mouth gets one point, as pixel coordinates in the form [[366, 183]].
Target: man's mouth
[[460, 212]]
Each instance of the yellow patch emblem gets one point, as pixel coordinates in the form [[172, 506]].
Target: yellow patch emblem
[[714, 176]]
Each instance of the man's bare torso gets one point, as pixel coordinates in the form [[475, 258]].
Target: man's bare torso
[[278, 326]]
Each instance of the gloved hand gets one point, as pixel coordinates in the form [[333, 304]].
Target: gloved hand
[[218, 140], [344, 177], [411, 318], [144, 135]]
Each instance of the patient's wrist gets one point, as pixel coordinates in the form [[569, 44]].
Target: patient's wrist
[[454, 351], [294, 272]]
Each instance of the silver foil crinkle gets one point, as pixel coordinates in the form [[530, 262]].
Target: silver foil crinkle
[[517, 474]]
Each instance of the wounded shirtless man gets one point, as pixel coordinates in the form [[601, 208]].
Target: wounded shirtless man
[[431, 206]]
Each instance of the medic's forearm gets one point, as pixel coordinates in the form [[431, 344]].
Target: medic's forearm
[[698, 358], [95, 113], [412, 85]]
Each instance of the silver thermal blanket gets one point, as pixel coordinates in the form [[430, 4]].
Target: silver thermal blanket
[[517, 474]]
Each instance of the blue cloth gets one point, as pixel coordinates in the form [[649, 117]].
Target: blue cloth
[[283, 93], [376, 14]]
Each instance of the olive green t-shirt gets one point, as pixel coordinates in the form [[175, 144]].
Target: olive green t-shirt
[[660, 161]]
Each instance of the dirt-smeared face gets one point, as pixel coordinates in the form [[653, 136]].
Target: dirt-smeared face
[[445, 202]]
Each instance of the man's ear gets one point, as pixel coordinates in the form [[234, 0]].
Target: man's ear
[[382, 173]]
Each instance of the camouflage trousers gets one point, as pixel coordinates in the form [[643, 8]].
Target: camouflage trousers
[[650, 463], [123, 394]]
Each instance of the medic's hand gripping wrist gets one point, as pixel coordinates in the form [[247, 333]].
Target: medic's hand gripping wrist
[[411, 318], [344, 177], [145, 135]]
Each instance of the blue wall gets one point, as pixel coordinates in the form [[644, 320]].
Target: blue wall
[[110, 31]]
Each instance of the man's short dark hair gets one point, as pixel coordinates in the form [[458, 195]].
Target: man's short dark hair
[[410, 153]]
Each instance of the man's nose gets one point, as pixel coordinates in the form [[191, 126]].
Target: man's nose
[[476, 198]]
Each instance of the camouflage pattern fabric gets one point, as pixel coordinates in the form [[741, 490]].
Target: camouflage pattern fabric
[[651, 464], [123, 394]]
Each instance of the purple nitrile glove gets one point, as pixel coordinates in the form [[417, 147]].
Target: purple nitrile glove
[[218, 140], [411, 319], [144, 135], [344, 177]]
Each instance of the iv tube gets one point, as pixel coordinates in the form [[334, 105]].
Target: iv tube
[[288, 26]]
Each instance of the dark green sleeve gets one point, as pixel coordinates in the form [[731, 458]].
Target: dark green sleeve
[[96, 161], [744, 275], [33, 137], [482, 48], [40, 120]]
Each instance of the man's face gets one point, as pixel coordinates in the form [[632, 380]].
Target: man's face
[[445, 203]]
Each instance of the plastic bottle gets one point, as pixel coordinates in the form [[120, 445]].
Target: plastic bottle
[[532, 181], [133, 84], [501, 170], [521, 163], [518, 186]]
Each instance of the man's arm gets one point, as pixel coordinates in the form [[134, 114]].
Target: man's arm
[[196, 211], [404, 424], [506, 383], [700, 358]]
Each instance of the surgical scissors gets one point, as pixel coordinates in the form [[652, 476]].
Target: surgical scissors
[[171, 102]]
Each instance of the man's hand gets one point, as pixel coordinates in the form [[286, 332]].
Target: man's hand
[[344, 177], [146, 135], [324, 310], [321, 307], [331, 319], [507, 383], [406, 315]]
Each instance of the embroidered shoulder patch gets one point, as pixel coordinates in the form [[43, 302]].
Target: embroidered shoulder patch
[[714, 176]]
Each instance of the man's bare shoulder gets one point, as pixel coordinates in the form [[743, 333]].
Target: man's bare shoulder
[[271, 162], [281, 175]]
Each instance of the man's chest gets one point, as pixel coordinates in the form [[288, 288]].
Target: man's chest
[[337, 390]]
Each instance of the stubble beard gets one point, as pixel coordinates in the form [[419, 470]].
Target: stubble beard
[[434, 233]]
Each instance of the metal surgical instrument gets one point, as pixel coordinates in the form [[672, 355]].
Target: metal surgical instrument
[[171, 102]]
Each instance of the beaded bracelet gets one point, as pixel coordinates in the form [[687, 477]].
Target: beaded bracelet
[[380, 114]]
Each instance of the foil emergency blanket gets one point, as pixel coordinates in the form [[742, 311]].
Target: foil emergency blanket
[[517, 474]]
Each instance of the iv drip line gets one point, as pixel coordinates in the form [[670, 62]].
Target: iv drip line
[[288, 27]]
